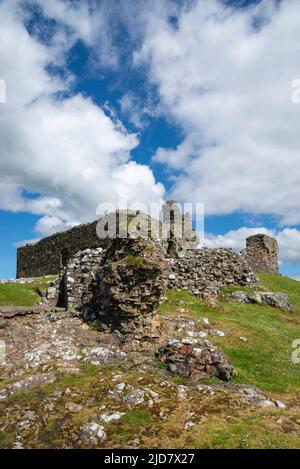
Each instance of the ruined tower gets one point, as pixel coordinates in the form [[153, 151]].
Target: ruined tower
[[261, 254]]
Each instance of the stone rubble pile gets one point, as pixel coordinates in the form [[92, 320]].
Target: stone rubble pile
[[195, 359]]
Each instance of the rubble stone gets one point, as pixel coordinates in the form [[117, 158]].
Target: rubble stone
[[195, 359]]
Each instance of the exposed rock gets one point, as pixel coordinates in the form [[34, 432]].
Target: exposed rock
[[35, 341], [277, 300], [280, 404], [101, 355], [73, 407], [178, 327], [239, 297], [133, 396], [106, 418], [27, 383], [195, 359], [252, 395], [12, 311], [182, 392], [92, 433]]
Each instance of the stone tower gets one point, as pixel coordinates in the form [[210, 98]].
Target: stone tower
[[177, 229], [261, 254]]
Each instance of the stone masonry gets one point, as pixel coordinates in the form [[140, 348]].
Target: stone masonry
[[49, 255], [121, 281], [261, 253], [208, 270], [123, 284]]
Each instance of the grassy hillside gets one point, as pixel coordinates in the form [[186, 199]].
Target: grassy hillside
[[220, 419], [265, 359], [13, 294]]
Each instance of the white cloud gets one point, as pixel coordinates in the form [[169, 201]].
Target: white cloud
[[137, 112], [68, 150], [228, 85], [89, 21], [288, 240]]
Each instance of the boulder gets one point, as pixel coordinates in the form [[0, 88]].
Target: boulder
[[195, 359], [277, 300]]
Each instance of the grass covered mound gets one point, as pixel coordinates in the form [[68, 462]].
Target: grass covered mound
[[17, 294], [264, 359]]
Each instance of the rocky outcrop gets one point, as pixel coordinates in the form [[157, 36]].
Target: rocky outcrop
[[277, 300], [195, 359]]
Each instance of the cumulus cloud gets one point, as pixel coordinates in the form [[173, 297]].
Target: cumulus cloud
[[224, 75], [288, 240], [59, 157]]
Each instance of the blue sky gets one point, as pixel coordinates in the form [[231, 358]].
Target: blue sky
[[152, 99]]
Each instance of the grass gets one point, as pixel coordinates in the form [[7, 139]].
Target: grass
[[250, 430], [131, 425], [221, 420], [15, 294], [265, 359], [135, 260]]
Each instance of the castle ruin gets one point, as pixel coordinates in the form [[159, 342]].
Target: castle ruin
[[122, 278], [261, 254]]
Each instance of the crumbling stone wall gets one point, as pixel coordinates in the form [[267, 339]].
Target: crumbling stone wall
[[207, 270], [77, 282], [131, 283], [261, 253], [49, 255], [123, 284]]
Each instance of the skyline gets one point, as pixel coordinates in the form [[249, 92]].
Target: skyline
[[152, 100]]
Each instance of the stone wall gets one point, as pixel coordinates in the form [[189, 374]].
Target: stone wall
[[123, 284], [77, 282], [261, 253], [49, 255], [207, 270]]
